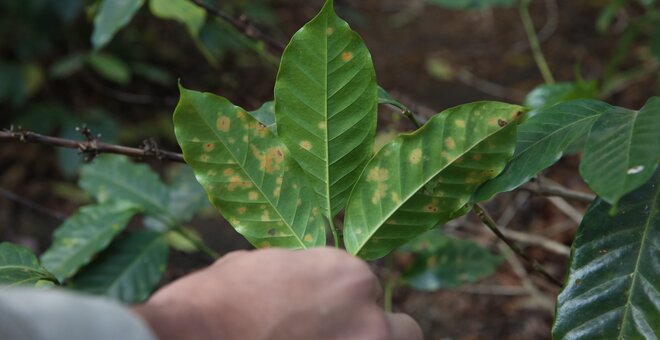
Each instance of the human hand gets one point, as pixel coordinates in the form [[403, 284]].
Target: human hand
[[321, 293]]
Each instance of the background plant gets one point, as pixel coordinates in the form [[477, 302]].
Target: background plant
[[551, 145]]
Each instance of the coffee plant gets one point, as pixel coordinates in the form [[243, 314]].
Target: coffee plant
[[301, 172]]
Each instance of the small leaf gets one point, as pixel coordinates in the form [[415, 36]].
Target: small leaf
[[109, 67], [183, 11], [547, 95], [83, 235], [425, 178], [472, 4], [442, 262], [19, 266], [129, 270], [622, 150], [326, 105], [613, 290], [542, 140], [247, 173], [385, 99], [111, 17], [115, 178], [266, 115], [183, 243]]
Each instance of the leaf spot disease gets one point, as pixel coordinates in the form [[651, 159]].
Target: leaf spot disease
[[242, 210], [272, 232], [450, 143], [459, 123], [379, 175], [329, 31], [270, 160], [306, 145], [208, 147], [253, 195], [346, 56], [223, 123], [308, 238], [415, 156], [635, 170], [502, 122], [322, 126]]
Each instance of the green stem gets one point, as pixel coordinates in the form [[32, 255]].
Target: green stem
[[333, 230], [411, 117], [390, 284], [534, 42], [200, 245]]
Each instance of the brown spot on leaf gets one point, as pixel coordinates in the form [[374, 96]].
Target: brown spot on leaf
[[346, 56], [502, 122], [223, 123]]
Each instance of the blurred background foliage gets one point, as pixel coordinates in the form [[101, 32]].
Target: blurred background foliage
[[113, 65]]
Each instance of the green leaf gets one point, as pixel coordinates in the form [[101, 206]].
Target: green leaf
[[247, 173], [326, 105], [542, 140], [472, 4], [443, 262], [547, 95], [385, 99], [183, 11], [613, 286], [111, 17], [115, 178], [183, 243], [109, 67], [19, 266], [129, 270], [266, 116], [425, 178], [83, 235], [187, 197], [622, 150]]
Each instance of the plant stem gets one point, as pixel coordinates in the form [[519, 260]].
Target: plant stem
[[533, 39], [406, 112], [490, 223], [200, 245], [333, 230]]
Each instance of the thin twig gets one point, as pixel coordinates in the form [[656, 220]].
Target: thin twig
[[490, 223], [92, 147], [528, 24], [556, 190], [242, 25], [537, 240], [32, 205]]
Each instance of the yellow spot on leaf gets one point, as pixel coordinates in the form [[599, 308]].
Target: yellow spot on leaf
[[253, 195], [245, 138], [449, 142], [211, 173], [415, 156], [262, 130], [264, 244], [376, 174], [209, 147], [223, 123], [196, 140], [309, 238], [395, 197], [242, 210], [277, 192], [346, 56], [265, 216], [358, 232], [329, 31], [279, 181], [241, 114], [476, 157], [306, 145], [492, 122], [390, 221], [460, 123], [204, 158], [228, 172], [322, 125], [237, 181]]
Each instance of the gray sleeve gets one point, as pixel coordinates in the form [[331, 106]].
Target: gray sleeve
[[32, 314]]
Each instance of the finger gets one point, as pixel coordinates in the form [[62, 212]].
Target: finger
[[403, 327]]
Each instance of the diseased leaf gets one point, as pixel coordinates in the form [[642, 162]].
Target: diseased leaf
[[613, 286], [622, 150], [183, 11], [19, 266], [129, 270], [542, 140], [442, 262], [425, 178], [247, 173], [266, 115], [83, 235], [326, 105], [111, 17], [115, 178]]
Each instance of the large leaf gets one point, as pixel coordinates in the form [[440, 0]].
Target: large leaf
[[115, 178], [183, 11], [613, 285], [128, 270], [542, 140], [19, 266], [427, 177], [326, 105], [111, 17], [247, 172], [83, 235], [622, 150], [442, 262], [472, 4]]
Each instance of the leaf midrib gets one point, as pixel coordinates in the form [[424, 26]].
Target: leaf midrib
[[372, 233], [643, 242]]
